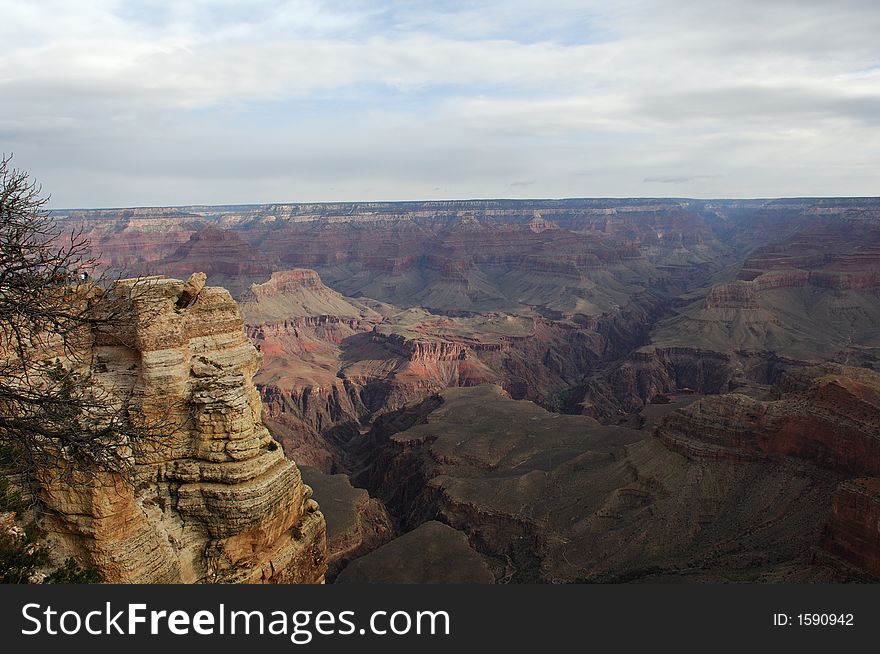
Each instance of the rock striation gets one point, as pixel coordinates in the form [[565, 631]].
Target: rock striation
[[212, 498], [828, 414]]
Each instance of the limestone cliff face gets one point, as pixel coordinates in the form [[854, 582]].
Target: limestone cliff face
[[216, 500]]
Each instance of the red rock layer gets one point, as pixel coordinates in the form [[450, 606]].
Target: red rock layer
[[829, 415], [217, 252], [837, 257], [853, 532]]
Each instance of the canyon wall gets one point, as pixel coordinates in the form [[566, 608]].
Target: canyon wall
[[558, 499], [622, 310], [824, 417]]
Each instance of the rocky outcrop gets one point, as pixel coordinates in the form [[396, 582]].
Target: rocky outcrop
[[212, 497], [733, 295], [288, 281], [422, 350]]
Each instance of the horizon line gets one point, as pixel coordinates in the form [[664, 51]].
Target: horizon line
[[467, 200]]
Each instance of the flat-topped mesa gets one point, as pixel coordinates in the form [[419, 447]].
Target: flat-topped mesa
[[214, 499]]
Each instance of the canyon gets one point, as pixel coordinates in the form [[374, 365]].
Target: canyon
[[507, 391]]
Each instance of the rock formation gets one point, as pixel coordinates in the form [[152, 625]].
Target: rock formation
[[828, 418], [213, 499], [829, 415]]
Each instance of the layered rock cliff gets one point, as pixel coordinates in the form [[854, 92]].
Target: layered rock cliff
[[212, 497], [825, 417], [220, 253], [853, 533], [828, 414]]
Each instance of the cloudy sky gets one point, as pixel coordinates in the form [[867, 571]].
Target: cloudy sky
[[149, 102]]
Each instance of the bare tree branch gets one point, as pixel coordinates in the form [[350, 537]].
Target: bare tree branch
[[53, 306]]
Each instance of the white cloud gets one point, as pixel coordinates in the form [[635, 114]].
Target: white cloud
[[175, 102]]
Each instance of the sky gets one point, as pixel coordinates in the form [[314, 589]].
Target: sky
[[112, 103]]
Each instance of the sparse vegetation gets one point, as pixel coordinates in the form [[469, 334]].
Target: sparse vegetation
[[20, 559]]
